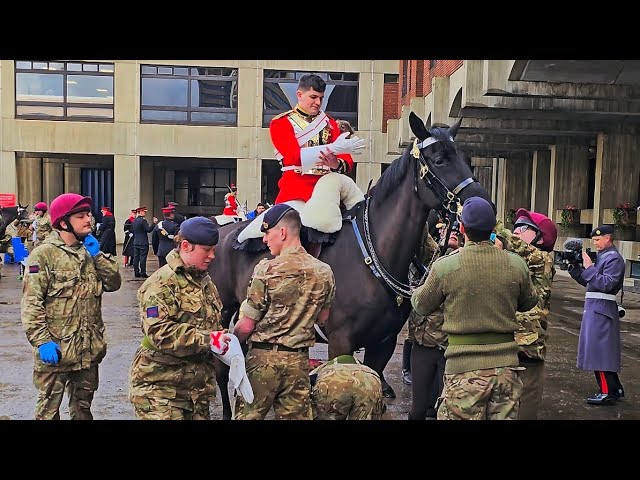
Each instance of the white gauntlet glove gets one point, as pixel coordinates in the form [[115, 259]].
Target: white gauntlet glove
[[353, 145], [219, 342], [234, 357]]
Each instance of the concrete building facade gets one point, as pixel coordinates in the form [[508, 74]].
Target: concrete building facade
[[154, 131]]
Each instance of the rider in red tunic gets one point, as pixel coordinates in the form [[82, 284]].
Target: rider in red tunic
[[230, 203], [305, 126]]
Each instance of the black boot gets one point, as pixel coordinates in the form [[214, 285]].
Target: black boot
[[406, 361]]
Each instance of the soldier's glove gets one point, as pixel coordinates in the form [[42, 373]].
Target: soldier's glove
[[342, 144], [234, 358], [50, 352], [219, 342], [92, 245]]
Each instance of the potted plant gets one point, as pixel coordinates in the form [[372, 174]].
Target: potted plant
[[568, 216], [622, 213]]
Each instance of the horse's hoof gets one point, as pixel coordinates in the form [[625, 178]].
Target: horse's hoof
[[387, 392]]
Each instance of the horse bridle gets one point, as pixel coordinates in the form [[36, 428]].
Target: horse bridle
[[450, 208]]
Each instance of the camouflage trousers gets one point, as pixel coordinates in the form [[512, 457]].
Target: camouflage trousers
[[149, 408], [279, 380], [347, 392], [488, 394], [532, 386], [80, 386]]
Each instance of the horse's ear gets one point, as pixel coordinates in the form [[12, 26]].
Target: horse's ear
[[418, 127], [454, 128]]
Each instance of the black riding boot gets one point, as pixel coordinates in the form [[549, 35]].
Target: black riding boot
[[406, 361]]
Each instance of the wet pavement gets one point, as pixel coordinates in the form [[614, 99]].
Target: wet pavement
[[565, 390]]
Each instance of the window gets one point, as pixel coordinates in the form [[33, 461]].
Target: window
[[189, 95], [432, 64], [391, 78], [340, 97], [405, 77], [64, 90], [204, 187]]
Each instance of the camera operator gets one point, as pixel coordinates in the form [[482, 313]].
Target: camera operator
[[533, 237], [599, 343]]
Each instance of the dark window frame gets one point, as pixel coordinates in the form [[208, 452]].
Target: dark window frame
[[189, 109], [65, 72], [193, 184], [293, 76]]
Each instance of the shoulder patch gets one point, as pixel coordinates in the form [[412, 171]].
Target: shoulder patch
[[34, 268], [152, 312]]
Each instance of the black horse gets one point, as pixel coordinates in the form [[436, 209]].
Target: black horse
[[372, 253], [9, 214]]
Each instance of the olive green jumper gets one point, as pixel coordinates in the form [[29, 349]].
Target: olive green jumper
[[481, 287]]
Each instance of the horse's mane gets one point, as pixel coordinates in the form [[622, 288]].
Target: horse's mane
[[392, 176]]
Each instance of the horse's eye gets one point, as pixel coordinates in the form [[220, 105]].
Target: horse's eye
[[438, 161]]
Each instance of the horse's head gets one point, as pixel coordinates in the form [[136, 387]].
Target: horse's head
[[22, 212], [443, 167]]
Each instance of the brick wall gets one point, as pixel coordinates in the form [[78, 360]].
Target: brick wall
[[419, 75], [390, 108]]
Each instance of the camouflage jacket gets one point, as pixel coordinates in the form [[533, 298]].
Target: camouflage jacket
[[532, 325], [62, 302], [285, 297], [427, 330], [179, 307], [43, 227]]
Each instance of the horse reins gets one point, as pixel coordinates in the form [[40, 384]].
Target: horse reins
[[450, 206]]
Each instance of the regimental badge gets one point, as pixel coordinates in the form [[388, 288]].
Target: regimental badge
[[598, 232], [265, 225], [152, 312], [34, 268], [415, 151]]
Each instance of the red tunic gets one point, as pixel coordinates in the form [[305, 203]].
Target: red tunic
[[292, 185], [230, 205]]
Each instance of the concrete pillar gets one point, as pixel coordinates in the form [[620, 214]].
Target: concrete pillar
[[29, 176], [52, 179], [9, 176], [72, 178], [249, 181], [540, 170], [126, 180], [365, 171], [146, 189]]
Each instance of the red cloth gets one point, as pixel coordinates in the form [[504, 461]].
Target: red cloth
[[230, 204], [292, 185]]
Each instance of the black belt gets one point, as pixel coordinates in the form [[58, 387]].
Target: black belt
[[275, 347]]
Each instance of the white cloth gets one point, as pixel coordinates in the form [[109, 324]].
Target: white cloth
[[309, 156], [234, 357]]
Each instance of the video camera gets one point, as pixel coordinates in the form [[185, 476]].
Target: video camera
[[572, 254]]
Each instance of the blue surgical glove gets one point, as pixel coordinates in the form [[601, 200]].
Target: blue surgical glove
[[92, 245], [50, 352]]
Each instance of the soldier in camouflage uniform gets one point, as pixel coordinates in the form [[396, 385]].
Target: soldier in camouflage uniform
[[429, 341], [42, 223], [286, 297], [533, 238], [62, 309], [172, 376], [480, 288], [345, 389]]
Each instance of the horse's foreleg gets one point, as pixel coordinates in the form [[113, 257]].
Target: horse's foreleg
[[222, 379], [377, 357]]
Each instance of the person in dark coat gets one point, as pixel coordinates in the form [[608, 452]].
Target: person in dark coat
[[162, 238], [178, 218], [127, 245], [141, 229], [108, 231], [599, 342]]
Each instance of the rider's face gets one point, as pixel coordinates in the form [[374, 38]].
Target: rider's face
[[310, 101]]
